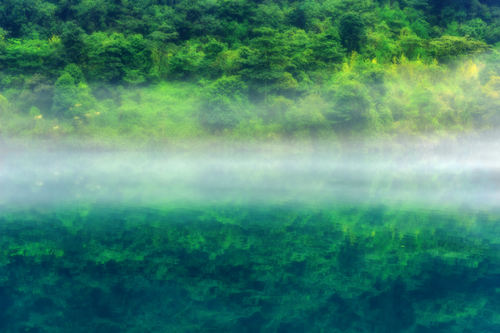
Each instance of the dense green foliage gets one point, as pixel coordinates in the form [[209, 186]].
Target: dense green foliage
[[248, 269], [249, 65], [363, 98]]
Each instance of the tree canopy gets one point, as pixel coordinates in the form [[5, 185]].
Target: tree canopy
[[278, 50]]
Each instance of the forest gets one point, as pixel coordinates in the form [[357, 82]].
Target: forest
[[275, 166], [160, 70]]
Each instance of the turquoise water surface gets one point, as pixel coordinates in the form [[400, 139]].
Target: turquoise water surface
[[107, 242]]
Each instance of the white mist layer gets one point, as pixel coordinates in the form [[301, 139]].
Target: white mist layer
[[461, 173]]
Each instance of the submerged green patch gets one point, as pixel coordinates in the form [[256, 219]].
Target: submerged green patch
[[249, 268]]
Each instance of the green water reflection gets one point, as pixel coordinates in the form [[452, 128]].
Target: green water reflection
[[246, 268]]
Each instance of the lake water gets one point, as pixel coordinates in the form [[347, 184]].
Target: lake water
[[377, 238]]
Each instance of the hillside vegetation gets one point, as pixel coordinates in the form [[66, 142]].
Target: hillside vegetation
[[165, 69]]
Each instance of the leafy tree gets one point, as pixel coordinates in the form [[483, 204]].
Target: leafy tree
[[447, 48], [28, 18], [269, 15], [394, 18], [351, 107], [475, 28], [492, 35], [71, 99], [37, 91], [411, 45], [65, 95], [298, 17], [421, 28], [73, 39], [307, 117], [94, 15], [115, 57], [30, 56], [224, 104], [187, 61], [327, 47], [212, 49], [380, 45], [351, 31], [264, 63], [75, 72]]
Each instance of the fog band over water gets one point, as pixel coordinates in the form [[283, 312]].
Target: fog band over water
[[460, 173]]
